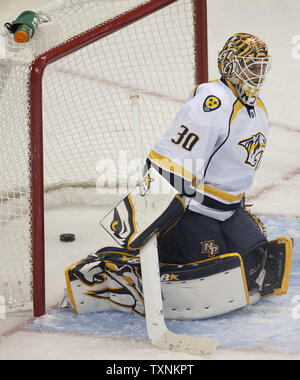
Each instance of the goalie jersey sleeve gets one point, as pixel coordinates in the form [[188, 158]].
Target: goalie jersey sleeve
[[216, 143]]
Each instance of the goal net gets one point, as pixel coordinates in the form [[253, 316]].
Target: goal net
[[66, 116]]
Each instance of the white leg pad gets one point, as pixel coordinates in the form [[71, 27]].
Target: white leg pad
[[205, 297], [117, 285]]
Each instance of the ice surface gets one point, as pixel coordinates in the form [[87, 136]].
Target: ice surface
[[268, 324], [269, 329]]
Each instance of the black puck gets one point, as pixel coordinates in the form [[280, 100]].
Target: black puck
[[67, 237]]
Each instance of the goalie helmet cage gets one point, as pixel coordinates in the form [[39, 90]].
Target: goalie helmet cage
[[64, 103]]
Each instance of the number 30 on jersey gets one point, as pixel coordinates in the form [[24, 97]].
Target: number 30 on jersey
[[186, 139]]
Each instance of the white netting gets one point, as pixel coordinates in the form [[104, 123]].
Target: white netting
[[86, 112]]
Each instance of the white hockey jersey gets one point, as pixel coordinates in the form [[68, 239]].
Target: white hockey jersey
[[214, 137]]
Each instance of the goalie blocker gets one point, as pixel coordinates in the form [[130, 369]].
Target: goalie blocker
[[219, 282]]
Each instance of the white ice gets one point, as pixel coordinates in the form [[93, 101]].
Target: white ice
[[275, 192]]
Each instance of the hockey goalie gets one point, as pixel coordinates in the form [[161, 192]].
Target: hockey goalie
[[214, 253]]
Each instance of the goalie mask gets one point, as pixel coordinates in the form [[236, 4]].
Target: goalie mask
[[245, 62]]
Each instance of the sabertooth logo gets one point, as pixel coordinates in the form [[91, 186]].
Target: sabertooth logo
[[254, 146], [122, 225]]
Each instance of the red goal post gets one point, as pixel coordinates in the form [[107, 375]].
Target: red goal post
[[39, 121]]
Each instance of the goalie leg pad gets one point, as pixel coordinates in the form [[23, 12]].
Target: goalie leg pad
[[106, 281], [206, 289], [111, 280]]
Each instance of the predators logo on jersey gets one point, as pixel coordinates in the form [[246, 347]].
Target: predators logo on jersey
[[254, 146], [210, 248], [211, 103]]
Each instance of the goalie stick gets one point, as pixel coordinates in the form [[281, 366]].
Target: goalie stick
[[158, 333]]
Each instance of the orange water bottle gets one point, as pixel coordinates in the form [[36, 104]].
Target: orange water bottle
[[24, 26]]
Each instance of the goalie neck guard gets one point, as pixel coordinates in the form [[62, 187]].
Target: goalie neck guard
[[245, 62]]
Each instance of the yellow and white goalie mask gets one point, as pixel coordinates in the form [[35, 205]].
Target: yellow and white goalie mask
[[245, 62]]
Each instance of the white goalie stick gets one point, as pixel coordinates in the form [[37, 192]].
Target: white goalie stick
[[158, 333]]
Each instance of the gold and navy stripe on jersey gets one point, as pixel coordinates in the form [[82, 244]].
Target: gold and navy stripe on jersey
[[184, 182]]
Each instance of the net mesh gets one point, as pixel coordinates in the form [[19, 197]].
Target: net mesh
[[88, 139]]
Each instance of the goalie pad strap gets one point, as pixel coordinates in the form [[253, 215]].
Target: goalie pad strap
[[278, 267]]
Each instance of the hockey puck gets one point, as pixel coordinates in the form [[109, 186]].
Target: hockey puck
[[67, 237]]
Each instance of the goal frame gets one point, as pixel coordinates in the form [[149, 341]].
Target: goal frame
[[37, 69]]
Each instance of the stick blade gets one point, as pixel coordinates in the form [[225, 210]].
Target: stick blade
[[188, 344]]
